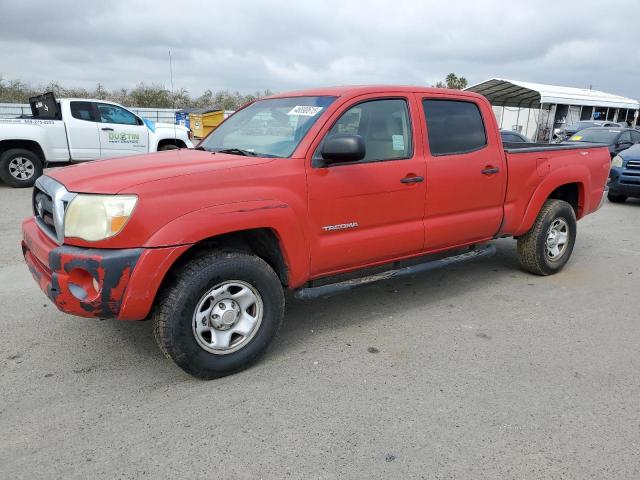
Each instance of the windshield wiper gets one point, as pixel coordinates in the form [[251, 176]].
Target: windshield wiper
[[237, 151], [200, 148]]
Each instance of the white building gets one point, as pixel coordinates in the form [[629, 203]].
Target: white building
[[537, 110]]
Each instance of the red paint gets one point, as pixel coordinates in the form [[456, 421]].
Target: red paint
[[187, 196]]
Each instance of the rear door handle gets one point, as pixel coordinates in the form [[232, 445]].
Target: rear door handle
[[107, 129], [412, 180], [490, 171]]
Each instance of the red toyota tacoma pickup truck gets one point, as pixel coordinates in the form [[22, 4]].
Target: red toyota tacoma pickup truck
[[311, 192]]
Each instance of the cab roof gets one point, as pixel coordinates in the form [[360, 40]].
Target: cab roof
[[73, 99], [355, 90]]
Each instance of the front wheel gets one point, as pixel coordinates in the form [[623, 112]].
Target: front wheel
[[548, 245], [167, 146], [220, 313]]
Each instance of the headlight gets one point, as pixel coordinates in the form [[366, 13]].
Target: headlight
[[96, 217], [617, 161]]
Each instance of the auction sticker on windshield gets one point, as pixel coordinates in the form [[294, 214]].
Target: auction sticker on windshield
[[576, 137], [305, 110]]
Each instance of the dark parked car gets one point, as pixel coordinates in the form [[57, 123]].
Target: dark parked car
[[574, 128], [618, 139], [510, 136], [624, 178]]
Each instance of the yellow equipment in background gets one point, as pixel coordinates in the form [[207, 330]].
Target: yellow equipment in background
[[204, 123]]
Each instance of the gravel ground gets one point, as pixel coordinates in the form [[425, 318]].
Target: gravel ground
[[478, 371]]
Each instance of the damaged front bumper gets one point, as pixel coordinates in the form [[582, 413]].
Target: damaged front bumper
[[91, 282]]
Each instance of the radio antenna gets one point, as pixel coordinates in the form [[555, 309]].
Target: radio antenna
[[173, 101]]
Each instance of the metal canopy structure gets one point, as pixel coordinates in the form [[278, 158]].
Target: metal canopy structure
[[553, 107], [514, 93]]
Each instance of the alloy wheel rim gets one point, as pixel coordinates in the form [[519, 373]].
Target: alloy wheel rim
[[227, 317], [21, 168], [557, 239]]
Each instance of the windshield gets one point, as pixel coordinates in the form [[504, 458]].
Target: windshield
[[267, 128], [596, 135]]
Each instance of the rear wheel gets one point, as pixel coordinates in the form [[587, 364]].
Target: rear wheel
[[615, 198], [220, 314], [20, 167], [547, 247]]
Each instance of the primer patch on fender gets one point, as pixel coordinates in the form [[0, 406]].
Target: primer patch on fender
[[304, 110]]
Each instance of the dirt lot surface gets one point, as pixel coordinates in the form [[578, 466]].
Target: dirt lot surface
[[478, 371]]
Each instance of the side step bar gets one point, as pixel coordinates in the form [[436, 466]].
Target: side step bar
[[333, 288]]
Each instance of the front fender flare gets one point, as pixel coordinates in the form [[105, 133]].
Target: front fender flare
[[218, 220]]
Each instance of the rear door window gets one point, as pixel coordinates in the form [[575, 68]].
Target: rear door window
[[454, 127], [82, 111]]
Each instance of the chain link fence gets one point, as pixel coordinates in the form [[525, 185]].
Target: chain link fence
[[164, 115]]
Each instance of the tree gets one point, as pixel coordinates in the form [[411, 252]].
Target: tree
[[454, 82], [143, 95], [101, 93], [204, 100]]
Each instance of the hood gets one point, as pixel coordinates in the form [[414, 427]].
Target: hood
[[151, 125], [170, 125], [118, 174], [631, 153]]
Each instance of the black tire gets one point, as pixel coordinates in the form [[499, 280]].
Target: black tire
[[167, 146], [615, 198], [19, 168], [175, 307], [532, 246]]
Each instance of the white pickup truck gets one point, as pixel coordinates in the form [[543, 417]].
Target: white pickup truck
[[77, 130]]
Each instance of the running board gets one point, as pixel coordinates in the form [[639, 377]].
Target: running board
[[333, 288]]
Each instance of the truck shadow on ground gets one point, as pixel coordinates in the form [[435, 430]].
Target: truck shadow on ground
[[631, 202], [396, 297], [357, 307]]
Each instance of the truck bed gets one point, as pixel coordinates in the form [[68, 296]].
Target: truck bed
[[536, 170], [519, 147]]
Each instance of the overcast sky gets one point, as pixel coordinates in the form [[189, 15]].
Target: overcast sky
[[250, 45]]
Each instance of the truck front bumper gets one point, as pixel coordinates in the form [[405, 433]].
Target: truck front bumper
[[91, 282]]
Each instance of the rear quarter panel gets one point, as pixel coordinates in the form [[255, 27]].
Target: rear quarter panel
[[49, 134], [533, 176]]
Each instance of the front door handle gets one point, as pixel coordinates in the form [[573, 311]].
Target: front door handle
[[107, 129], [412, 180], [490, 171]]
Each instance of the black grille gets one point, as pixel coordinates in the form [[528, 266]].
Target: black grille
[[633, 164], [629, 181], [43, 210]]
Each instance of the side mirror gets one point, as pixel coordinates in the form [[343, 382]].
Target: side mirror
[[343, 149]]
